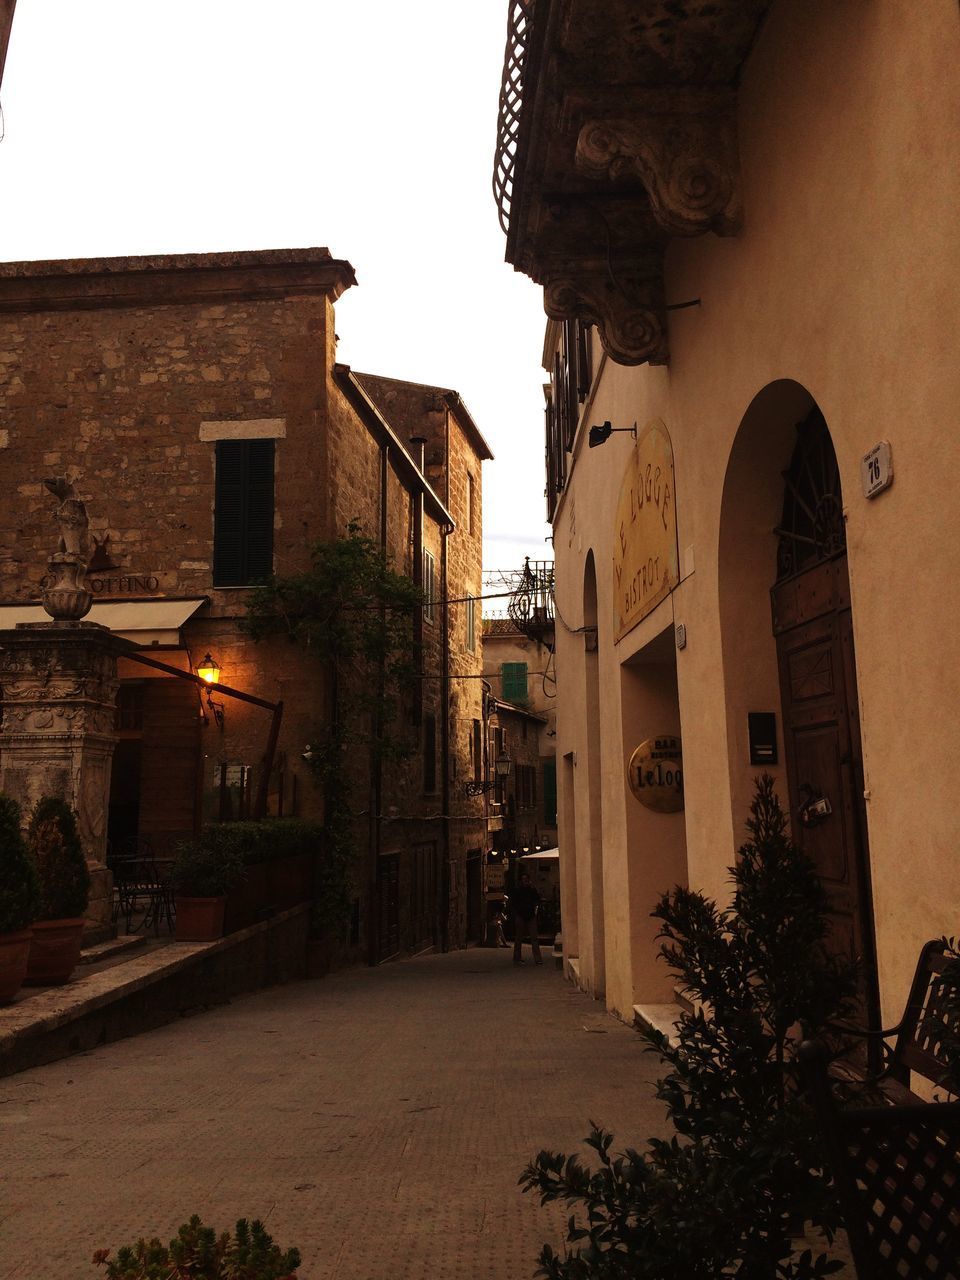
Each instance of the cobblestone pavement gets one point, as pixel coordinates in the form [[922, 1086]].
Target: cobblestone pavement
[[377, 1119]]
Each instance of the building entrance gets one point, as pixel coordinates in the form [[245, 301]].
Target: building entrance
[[821, 724]]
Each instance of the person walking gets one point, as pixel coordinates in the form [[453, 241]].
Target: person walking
[[526, 904]]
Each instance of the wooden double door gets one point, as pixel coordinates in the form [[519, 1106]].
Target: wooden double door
[[821, 728]]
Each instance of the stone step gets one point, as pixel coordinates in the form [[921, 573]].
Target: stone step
[[111, 948]]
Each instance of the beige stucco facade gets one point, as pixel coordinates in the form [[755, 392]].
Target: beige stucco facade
[[840, 292]]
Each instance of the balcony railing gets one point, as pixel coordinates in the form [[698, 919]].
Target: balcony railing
[[511, 100]]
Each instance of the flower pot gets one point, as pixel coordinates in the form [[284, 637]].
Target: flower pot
[[54, 951], [14, 950], [199, 919]]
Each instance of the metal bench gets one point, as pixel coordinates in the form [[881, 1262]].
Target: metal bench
[[896, 1164]]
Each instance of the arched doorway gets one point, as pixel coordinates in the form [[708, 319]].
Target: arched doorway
[[812, 625]]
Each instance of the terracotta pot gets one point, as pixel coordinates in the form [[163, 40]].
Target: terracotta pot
[[14, 950], [199, 919], [54, 951]]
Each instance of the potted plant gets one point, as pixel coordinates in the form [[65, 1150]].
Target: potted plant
[[203, 875], [19, 900], [54, 845], [198, 1253]]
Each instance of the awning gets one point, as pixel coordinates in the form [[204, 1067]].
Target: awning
[[145, 622], [542, 855]]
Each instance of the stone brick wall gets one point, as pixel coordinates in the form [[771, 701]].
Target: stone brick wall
[[122, 375]]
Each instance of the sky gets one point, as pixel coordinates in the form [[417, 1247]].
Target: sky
[[368, 126]]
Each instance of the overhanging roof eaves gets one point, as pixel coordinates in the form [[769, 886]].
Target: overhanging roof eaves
[[145, 622], [377, 424]]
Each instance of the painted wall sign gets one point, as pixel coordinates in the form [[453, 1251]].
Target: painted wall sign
[[876, 469], [645, 562], [655, 773]]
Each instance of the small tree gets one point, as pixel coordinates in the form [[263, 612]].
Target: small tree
[[55, 847], [19, 889], [722, 1196], [355, 615]]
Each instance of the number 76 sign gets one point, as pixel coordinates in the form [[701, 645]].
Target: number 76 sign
[[876, 469]]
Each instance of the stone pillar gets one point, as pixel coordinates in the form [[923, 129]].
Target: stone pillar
[[58, 689]]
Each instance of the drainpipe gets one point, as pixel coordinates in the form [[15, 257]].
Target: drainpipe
[[445, 701], [376, 761]]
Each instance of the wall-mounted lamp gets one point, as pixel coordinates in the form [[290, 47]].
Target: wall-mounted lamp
[[601, 434], [209, 672], [501, 768]]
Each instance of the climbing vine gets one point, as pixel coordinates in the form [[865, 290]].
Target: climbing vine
[[354, 614]]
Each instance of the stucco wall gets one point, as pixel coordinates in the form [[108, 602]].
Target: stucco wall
[[843, 281]]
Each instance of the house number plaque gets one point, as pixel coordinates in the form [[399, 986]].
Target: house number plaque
[[655, 773]]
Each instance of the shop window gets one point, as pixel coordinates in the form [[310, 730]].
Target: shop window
[[514, 678], [243, 512]]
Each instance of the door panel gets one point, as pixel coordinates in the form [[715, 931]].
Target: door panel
[[821, 726]]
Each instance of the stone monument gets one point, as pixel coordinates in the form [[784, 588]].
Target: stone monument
[[58, 689]]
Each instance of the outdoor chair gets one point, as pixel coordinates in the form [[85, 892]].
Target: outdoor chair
[[141, 887]]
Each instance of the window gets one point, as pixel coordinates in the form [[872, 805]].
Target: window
[[243, 512], [471, 611], [471, 495], [514, 681], [429, 587], [429, 754]]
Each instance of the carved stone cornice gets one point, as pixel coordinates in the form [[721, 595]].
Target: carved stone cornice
[[623, 135], [687, 161], [629, 313]]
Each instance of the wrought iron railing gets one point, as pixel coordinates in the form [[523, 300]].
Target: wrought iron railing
[[511, 100]]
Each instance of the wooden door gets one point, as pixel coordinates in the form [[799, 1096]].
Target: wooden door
[[821, 729]]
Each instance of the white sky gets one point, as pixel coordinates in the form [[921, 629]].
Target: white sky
[[368, 126]]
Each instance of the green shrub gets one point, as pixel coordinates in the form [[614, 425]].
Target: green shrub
[[267, 840], [721, 1198], [19, 888], [201, 870], [54, 844], [198, 1253]]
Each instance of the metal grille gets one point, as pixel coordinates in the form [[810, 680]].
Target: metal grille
[[511, 100], [531, 605], [811, 529]]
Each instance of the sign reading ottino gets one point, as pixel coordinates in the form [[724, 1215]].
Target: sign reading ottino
[[656, 774], [645, 564]]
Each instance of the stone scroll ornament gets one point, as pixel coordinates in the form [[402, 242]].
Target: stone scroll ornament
[[67, 598]]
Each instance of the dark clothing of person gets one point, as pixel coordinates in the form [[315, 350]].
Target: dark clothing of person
[[525, 901]]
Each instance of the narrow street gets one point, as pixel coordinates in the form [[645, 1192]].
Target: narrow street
[[377, 1119]]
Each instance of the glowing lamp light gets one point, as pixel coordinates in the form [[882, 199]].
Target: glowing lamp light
[[209, 670]]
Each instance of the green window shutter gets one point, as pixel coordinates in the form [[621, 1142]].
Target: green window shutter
[[549, 793], [514, 675], [243, 512]]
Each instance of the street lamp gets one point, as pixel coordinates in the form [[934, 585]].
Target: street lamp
[[501, 767], [209, 672]]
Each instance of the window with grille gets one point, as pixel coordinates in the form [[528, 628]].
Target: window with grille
[[514, 681], [429, 587], [243, 512]]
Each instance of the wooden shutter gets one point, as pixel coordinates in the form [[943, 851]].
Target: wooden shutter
[[514, 675], [243, 512]]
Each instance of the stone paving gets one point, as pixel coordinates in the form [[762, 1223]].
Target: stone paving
[[377, 1119]]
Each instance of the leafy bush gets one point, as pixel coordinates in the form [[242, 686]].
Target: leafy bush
[[19, 887], [202, 870], [54, 844], [722, 1197], [265, 841], [198, 1253]]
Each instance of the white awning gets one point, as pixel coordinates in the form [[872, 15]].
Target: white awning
[[541, 855], [145, 622]]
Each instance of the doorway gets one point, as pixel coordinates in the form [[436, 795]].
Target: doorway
[[812, 624]]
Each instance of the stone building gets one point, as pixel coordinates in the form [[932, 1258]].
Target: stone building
[[198, 404], [744, 218]]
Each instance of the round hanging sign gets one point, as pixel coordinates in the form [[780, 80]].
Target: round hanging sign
[[656, 774]]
